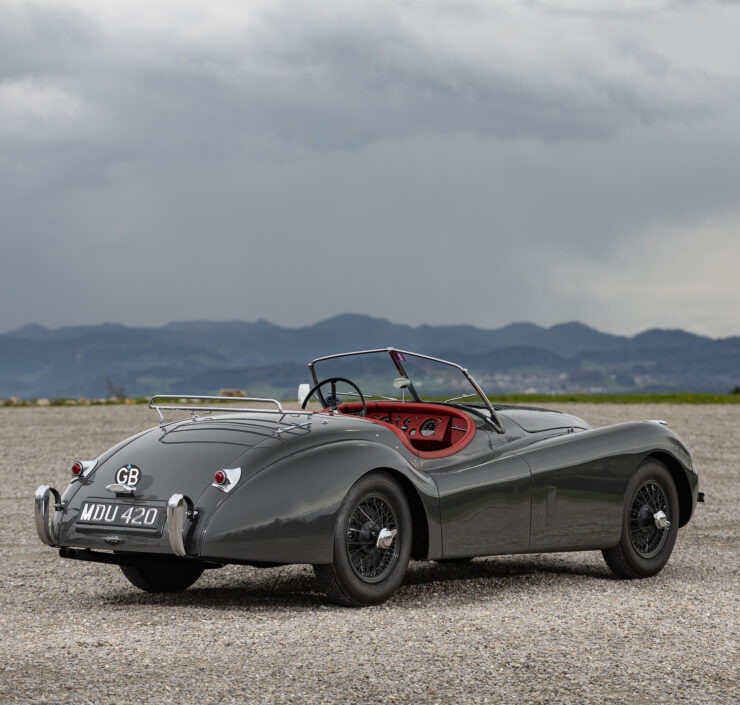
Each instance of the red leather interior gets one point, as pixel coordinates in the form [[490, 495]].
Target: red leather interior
[[428, 430]]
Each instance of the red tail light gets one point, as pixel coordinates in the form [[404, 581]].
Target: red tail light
[[220, 477], [77, 468]]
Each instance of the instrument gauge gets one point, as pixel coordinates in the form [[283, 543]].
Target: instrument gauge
[[428, 428]]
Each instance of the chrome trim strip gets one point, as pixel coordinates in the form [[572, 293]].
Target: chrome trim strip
[[388, 350], [179, 510], [120, 488], [43, 516], [87, 467], [232, 477]]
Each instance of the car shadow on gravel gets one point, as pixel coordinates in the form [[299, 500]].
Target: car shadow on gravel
[[293, 592], [282, 588], [514, 568]]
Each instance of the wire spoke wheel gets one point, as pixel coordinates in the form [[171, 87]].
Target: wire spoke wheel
[[650, 521], [372, 518], [373, 537], [646, 536]]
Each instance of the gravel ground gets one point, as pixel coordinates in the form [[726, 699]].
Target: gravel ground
[[532, 629]]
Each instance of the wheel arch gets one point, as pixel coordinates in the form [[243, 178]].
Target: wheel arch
[[419, 519], [674, 467]]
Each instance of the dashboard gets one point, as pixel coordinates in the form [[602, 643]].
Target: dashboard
[[430, 430], [425, 427], [428, 427]]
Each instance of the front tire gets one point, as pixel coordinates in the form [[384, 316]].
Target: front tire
[[167, 577], [372, 544], [649, 524]]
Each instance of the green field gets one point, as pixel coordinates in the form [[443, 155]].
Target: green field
[[524, 399], [619, 398]]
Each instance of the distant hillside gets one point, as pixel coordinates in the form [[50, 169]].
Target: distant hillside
[[261, 357]]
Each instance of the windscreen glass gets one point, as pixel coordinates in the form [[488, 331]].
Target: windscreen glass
[[435, 380], [378, 376]]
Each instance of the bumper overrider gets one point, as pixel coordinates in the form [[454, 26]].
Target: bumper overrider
[[45, 513], [181, 515]]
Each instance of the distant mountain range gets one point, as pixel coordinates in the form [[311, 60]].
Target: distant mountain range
[[264, 358]]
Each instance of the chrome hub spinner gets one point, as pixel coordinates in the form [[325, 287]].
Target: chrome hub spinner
[[385, 537], [661, 520]]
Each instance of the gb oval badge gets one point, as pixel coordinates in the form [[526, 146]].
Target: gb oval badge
[[128, 475]]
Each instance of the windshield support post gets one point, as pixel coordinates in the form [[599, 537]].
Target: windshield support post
[[397, 361], [494, 416]]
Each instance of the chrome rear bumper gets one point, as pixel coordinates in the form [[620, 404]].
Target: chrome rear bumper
[[180, 517], [44, 510], [180, 514]]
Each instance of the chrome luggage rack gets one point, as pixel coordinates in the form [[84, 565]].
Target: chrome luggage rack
[[193, 408]]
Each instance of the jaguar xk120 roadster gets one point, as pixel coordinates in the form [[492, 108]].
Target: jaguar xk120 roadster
[[382, 471]]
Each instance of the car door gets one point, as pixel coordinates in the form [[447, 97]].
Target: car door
[[484, 497]]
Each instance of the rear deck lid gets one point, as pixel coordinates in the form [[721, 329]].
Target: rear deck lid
[[181, 458]]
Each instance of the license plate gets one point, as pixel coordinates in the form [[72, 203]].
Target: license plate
[[140, 516]]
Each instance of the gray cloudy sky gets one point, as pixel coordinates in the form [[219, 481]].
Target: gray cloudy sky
[[423, 161]]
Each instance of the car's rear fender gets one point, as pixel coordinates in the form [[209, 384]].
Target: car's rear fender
[[286, 513]]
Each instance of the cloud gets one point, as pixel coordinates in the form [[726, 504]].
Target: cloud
[[341, 75], [30, 108], [669, 274], [322, 147]]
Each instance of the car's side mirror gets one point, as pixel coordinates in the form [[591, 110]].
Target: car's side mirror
[[303, 390]]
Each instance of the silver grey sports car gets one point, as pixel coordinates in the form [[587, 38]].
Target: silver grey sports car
[[403, 457]]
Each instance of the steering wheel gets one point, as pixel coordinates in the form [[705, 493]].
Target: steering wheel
[[332, 399]]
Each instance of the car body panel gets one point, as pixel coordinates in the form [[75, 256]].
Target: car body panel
[[178, 456], [579, 481], [298, 527], [538, 420], [485, 505]]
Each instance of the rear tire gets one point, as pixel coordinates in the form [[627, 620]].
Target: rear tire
[[363, 571], [644, 547], [166, 577]]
